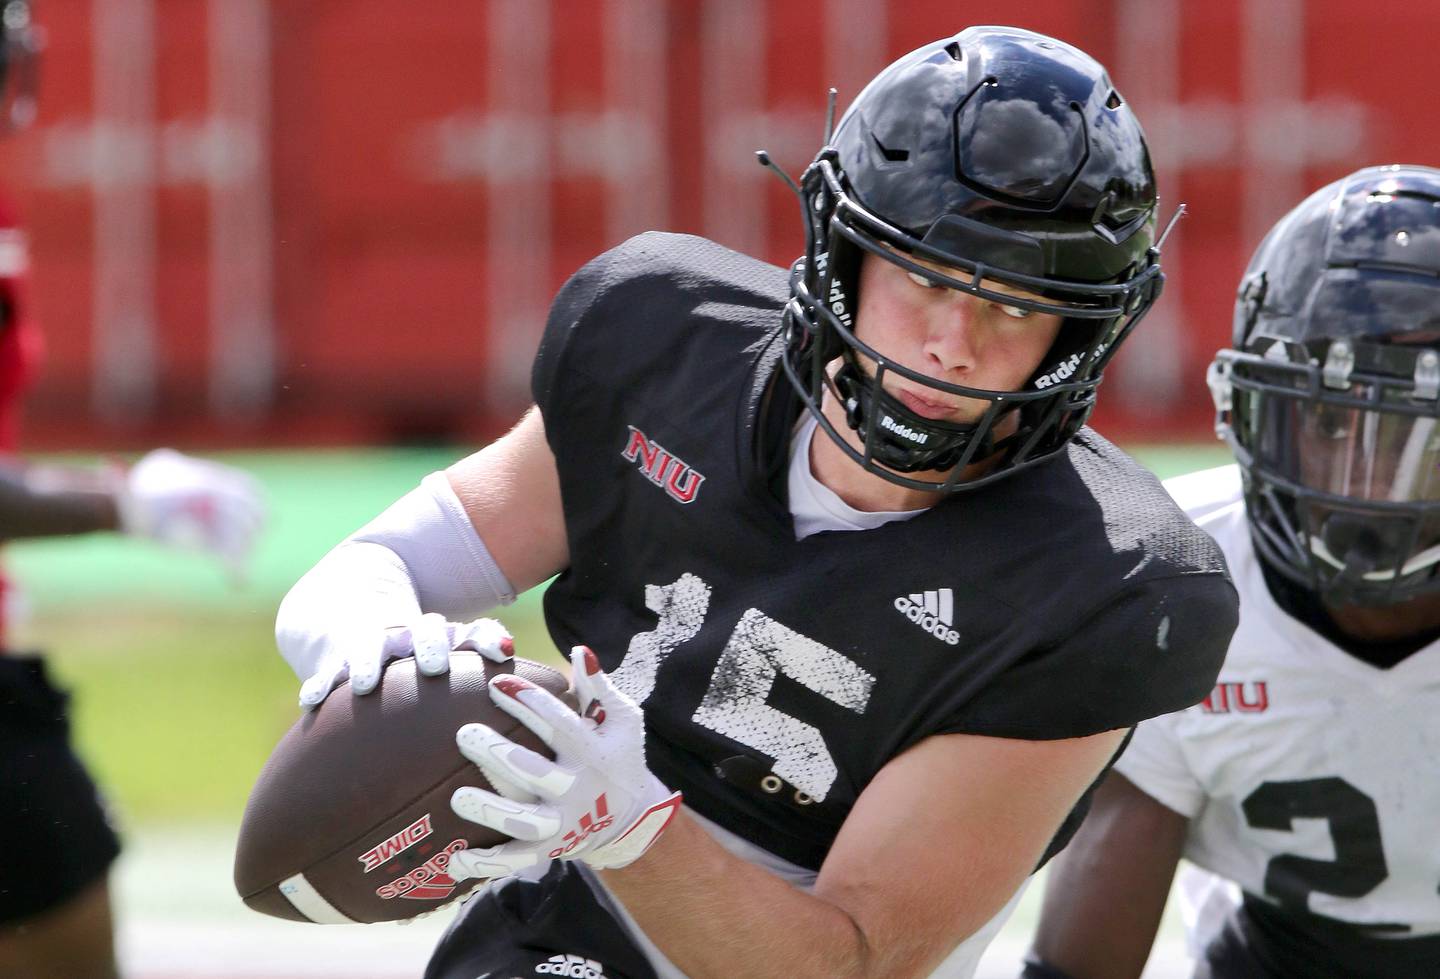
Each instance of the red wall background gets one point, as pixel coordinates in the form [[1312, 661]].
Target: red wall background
[[318, 221]]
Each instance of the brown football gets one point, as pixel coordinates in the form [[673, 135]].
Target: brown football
[[350, 819]]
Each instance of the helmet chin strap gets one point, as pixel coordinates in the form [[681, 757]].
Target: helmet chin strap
[[899, 438]]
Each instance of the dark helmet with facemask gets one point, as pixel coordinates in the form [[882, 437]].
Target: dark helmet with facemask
[[1331, 394], [1005, 157]]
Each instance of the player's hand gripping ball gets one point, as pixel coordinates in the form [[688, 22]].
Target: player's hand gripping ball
[[590, 798], [360, 653], [350, 819]]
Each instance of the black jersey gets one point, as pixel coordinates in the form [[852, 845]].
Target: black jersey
[[779, 676]]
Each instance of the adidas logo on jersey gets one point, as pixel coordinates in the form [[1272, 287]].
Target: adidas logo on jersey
[[572, 966], [932, 612]]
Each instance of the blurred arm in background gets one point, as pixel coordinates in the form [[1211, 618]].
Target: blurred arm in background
[[39, 500], [166, 497]]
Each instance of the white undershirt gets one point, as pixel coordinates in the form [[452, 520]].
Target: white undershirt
[[817, 507]]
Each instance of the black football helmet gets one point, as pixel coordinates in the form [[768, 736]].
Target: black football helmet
[[1331, 393], [21, 42], [1011, 158]]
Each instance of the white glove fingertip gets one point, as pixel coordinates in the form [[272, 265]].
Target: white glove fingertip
[[430, 635], [432, 662], [487, 637], [364, 679], [542, 712], [580, 680], [318, 686], [313, 693], [597, 681]]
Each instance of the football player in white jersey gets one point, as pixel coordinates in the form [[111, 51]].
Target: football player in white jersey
[[1307, 785]]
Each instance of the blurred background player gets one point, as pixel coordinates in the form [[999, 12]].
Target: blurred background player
[[55, 920], [1306, 783]]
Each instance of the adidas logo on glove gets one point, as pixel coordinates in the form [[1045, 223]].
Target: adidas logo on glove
[[572, 966]]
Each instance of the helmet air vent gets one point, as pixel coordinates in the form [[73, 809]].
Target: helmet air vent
[[1114, 101], [954, 50], [893, 155]]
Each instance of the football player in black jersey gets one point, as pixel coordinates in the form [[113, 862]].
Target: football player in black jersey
[[1302, 789], [882, 663]]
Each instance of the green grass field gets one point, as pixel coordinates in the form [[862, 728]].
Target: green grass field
[[179, 693]]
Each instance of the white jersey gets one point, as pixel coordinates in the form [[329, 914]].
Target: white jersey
[[1310, 778]]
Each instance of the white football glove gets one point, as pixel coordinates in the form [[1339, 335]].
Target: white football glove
[[361, 656], [596, 802], [193, 504]]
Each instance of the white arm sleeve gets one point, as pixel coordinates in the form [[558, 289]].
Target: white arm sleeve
[[1155, 763], [421, 555]]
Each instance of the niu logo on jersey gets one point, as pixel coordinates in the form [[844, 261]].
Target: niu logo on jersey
[[1245, 698], [589, 826], [661, 468]]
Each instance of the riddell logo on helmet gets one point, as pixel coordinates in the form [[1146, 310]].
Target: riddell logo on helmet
[[589, 826], [1061, 373], [904, 431], [837, 305], [427, 882]]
